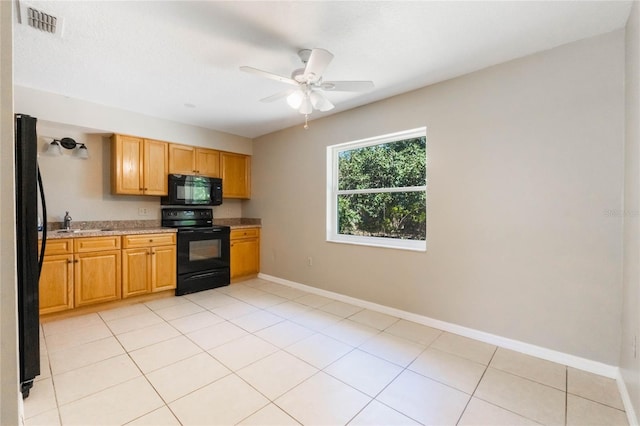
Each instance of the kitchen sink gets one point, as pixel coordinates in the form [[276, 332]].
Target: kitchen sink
[[78, 231]]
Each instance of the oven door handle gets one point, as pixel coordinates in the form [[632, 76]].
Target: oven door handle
[[199, 231]]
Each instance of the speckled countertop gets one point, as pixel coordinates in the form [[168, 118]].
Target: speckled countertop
[[240, 222], [132, 227], [81, 233]]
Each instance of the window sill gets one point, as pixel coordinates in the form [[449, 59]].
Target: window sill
[[409, 245]]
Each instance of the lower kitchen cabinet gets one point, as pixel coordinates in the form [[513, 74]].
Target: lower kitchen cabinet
[[97, 277], [148, 263], [245, 252], [97, 270], [135, 272], [163, 268], [56, 277], [83, 271]]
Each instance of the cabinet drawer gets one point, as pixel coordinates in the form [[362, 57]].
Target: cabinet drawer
[[57, 246], [245, 233], [83, 245], [148, 240]]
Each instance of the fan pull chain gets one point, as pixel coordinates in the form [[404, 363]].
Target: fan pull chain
[[306, 121]]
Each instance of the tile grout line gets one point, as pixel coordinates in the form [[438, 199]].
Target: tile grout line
[[404, 369], [53, 383], [314, 332], [477, 385]]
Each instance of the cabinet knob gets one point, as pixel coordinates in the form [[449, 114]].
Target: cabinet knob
[[150, 241], [69, 261]]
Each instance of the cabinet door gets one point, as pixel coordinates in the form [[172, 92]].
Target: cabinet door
[[163, 268], [236, 171], [56, 284], [245, 257], [136, 277], [156, 165], [97, 277], [127, 165], [181, 159], [208, 162]]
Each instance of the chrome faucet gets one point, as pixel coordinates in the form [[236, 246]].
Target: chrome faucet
[[67, 221]]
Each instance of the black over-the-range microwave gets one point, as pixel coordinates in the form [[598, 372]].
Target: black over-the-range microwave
[[188, 190]]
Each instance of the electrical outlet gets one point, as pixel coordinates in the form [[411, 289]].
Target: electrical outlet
[[142, 211], [309, 261]]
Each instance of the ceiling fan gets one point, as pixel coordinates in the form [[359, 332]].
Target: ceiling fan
[[307, 93]]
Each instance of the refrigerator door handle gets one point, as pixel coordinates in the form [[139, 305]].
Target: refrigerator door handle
[[44, 227]]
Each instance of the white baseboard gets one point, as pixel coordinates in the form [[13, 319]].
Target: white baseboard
[[626, 400], [569, 360]]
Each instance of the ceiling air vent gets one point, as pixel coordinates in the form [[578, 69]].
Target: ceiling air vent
[[40, 20]]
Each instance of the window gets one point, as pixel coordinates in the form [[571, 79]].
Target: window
[[377, 191]]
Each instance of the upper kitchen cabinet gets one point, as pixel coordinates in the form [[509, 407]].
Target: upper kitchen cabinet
[[189, 160], [139, 166], [236, 175]]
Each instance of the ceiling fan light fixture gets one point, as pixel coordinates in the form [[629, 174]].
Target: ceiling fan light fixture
[[319, 102], [295, 99], [306, 107]]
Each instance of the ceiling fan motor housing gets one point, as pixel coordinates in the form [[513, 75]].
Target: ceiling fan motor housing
[[298, 75]]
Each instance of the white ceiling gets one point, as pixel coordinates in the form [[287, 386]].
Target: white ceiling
[[179, 60]]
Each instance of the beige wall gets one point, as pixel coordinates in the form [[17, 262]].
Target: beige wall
[[82, 187], [64, 110], [524, 190], [630, 365], [9, 411]]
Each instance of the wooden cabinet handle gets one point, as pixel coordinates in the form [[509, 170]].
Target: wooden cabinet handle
[[69, 261]]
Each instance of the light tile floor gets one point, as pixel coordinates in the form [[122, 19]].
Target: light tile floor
[[260, 353]]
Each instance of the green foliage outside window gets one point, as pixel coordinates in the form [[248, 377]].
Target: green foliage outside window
[[387, 202]]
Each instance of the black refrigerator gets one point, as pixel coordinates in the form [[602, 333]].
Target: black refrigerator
[[28, 185]]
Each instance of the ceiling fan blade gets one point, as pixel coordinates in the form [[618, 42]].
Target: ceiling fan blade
[[266, 74], [317, 63], [277, 96], [347, 86]]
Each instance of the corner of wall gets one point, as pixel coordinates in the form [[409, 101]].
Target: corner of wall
[[10, 408]]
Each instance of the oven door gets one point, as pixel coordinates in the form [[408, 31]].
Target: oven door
[[202, 249]]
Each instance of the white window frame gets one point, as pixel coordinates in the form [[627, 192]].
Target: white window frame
[[333, 192]]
